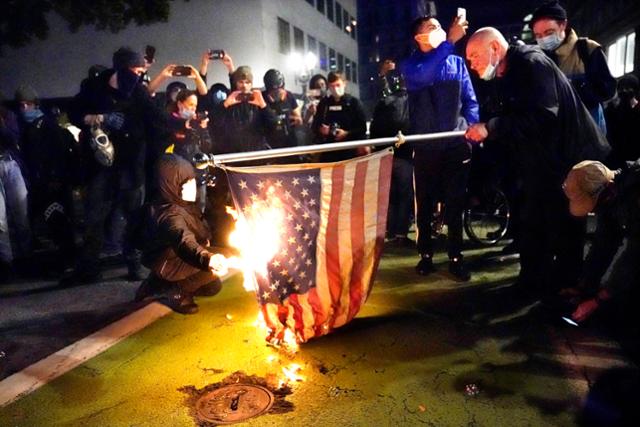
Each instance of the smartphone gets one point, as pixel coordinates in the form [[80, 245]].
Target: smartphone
[[149, 53], [216, 54], [245, 97], [181, 70], [462, 12]]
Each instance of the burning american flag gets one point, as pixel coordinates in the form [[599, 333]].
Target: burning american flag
[[328, 223]]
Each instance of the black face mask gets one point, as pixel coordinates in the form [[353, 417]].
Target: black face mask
[[127, 81], [626, 95]]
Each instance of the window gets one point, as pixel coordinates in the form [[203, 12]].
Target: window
[[310, 2], [298, 40], [620, 55], [353, 24], [284, 36], [320, 6], [340, 62], [330, 10], [345, 22], [338, 15], [333, 66], [323, 56], [354, 72], [347, 68], [312, 45]]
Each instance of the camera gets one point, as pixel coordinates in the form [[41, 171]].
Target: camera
[[181, 70], [281, 123], [333, 129], [216, 54], [149, 53], [245, 97]]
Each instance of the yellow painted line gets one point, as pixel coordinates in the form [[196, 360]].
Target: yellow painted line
[[51, 367]]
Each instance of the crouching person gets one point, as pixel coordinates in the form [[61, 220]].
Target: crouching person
[[177, 253], [615, 197]]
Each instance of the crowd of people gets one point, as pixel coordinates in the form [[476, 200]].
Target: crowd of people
[[558, 120]]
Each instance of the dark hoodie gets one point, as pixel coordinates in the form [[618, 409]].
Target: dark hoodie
[[179, 234]]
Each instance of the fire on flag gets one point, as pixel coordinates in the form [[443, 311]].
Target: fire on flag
[[325, 239]]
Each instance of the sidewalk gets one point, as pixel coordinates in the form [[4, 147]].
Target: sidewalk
[[422, 351]]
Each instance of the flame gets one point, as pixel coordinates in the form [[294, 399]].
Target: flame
[[292, 374]]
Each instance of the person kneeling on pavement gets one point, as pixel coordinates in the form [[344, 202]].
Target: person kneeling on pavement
[[615, 198], [177, 253]]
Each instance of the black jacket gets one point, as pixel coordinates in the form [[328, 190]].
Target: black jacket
[[391, 115], [348, 114], [240, 128], [144, 124], [543, 119], [188, 141], [618, 218], [178, 233]]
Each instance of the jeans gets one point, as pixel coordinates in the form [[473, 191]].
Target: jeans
[[15, 232]]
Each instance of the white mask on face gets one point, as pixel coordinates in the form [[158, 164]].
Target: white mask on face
[[337, 91], [436, 37], [490, 72], [550, 42], [189, 191]]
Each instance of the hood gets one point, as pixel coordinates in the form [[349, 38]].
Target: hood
[[172, 172]]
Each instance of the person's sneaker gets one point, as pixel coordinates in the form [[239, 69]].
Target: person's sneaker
[[181, 303], [210, 289], [459, 270], [425, 266]]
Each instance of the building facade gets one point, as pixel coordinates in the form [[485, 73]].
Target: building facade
[[259, 33]]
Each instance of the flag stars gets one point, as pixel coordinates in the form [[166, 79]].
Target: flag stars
[[299, 249], [292, 240], [287, 195], [308, 262], [254, 197], [242, 184], [306, 236], [303, 275], [298, 227], [304, 192], [284, 272], [260, 185], [296, 287], [312, 202], [284, 252], [266, 295], [313, 223], [306, 216], [275, 263], [311, 179], [295, 182], [279, 183], [292, 261], [289, 216], [297, 205]]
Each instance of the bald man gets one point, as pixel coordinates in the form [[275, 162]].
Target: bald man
[[549, 130]]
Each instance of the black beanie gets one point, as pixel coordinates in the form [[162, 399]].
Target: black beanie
[[549, 10], [126, 57]]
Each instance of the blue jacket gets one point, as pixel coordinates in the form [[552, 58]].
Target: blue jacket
[[441, 96]]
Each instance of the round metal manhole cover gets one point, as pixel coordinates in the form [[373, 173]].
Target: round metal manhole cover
[[234, 403]]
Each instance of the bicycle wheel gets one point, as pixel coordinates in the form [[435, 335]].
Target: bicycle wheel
[[486, 219]]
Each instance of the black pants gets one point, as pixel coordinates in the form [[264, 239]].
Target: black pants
[[400, 197], [441, 175], [552, 241], [102, 192]]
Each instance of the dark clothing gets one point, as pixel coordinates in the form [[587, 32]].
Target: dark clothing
[[179, 236], [441, 99], [141, 133], [9, 133], [618, 219], [144, 123], [282, 134], [188, 141], [550, 130], [347, 114], [390, 116], [622, 122], [241, 128]]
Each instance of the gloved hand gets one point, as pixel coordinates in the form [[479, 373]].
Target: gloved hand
[[113, 121]]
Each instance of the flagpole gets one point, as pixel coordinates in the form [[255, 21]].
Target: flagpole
[[220, 159]]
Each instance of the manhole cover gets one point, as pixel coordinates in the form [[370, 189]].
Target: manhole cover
[[234, 403]]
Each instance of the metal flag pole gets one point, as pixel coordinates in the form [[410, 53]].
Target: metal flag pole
[[203, 161]]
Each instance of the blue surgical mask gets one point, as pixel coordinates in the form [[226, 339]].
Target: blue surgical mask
[[32, 115], [550, 42], [187, 114]]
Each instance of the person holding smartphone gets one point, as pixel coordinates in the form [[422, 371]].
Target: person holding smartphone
[[174, 70]]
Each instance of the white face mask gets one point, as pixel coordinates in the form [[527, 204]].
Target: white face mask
[[550, 42], [337, 91], [490, 72], [189, 191], [436, 37]]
